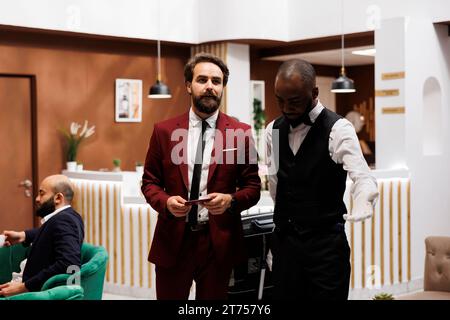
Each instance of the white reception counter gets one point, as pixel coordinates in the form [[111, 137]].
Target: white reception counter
[[117, 217]]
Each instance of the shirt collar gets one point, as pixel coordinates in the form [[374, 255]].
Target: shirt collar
[[195, 120], [49, 216], [314, 113]]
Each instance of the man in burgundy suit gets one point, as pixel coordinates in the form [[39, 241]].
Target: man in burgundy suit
[[201, 154]]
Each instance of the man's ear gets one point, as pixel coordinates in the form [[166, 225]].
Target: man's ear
[[59, 198], [315, 92], [188, 87]]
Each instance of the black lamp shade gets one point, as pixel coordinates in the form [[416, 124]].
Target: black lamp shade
[[343, 84], [159, 91]]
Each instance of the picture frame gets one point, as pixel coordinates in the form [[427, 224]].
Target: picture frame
[[128, 100]]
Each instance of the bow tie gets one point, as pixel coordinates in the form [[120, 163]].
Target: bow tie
[[306, 120], [303, 119]]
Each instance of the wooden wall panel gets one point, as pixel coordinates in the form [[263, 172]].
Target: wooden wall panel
[[76, 82]]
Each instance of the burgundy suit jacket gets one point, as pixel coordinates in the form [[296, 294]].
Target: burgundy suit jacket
[[163, 178]]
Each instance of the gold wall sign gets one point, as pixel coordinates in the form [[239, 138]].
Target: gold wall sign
[[393, 75], [387, 93], [393, 110]]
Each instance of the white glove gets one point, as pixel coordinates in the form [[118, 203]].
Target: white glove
[[362, 210]]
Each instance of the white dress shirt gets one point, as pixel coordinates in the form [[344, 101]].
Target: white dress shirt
[[49, 216], [195, 130], [344, 149]]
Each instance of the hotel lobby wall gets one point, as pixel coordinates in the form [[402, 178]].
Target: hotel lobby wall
[[427, 48], [422, 51], [76, 82]]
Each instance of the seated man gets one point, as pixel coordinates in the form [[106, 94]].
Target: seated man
[[56, 244]]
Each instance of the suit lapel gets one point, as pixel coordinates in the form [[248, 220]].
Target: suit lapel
[[222, 125], [183, 123]]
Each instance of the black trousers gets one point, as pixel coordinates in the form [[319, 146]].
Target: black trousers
[[311, 264]]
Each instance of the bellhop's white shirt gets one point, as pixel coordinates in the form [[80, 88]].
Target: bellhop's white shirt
[[344, 148], [195, 130]]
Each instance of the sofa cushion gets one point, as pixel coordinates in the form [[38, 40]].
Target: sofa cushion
[[437, 264], [425, 295]]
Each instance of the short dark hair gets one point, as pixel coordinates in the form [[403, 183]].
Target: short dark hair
[[300, 67], [205, 57]]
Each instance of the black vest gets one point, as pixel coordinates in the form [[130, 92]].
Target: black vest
[[311, 186]]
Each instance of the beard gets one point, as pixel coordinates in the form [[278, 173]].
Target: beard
[[207, 103], [46, 208], [301, 119]]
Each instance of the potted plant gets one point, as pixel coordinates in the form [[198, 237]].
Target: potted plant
[[116, 164], [73, 140], [259, 118], [383, 296]]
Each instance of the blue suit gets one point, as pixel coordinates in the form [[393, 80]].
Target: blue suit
[[56, 245]]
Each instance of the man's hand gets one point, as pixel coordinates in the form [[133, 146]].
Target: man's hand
[[13, 237], [219, 203], [176, 206], [362, 210], [12, 288]]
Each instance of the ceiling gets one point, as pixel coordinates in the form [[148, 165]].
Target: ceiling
[[330, 57]]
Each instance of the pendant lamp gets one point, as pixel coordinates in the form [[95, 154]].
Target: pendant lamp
[[343, 84], [159, 90]]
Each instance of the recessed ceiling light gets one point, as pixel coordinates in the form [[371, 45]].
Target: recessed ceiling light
[[366, 52]]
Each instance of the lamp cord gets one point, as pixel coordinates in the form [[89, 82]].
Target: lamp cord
[[159, 61], [159, 44], [342, 35]]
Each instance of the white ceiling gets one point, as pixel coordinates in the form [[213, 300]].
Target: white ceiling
[[330, 57]]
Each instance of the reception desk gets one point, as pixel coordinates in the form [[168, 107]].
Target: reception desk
[[117, 217]]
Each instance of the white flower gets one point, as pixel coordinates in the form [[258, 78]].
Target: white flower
[[74, 128], [90, 132], [84, 128], [74, 139]]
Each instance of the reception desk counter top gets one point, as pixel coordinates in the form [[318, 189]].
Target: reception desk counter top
[[117, 217]]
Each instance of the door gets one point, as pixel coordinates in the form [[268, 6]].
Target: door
[[16, 160]]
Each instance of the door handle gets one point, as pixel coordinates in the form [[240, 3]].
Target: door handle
[[27, 184]]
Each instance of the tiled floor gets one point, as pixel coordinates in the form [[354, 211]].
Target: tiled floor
[[110, 296]]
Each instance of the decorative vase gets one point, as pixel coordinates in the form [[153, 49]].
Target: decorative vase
[[116, 169], [71, 166], [79, 167]]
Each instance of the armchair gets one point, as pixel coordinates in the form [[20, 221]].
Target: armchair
[[94, 260], [72, 292], [92, 274], [436, 282]]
